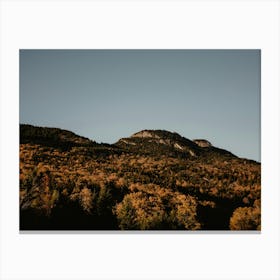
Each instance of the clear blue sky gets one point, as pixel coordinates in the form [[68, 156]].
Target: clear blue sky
[[109, 94]]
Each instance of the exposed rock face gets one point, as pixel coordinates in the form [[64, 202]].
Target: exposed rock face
[[202, 143], [127, 141], [177, 146], [145, 134]]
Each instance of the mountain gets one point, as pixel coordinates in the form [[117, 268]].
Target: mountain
[[152, 180], [50, 136], [152, 142], [162, 142], [146, 142]]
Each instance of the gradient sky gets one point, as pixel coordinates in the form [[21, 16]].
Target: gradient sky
[[109, 94]]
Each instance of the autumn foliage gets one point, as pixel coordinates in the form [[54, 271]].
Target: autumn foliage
[[246, 218], [99, 186]]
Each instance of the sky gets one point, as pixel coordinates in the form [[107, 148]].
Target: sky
[[106, 95]]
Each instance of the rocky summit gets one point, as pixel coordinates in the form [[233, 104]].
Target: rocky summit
[[162, 142]]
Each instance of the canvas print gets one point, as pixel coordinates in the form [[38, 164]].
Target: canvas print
[[140, 140]]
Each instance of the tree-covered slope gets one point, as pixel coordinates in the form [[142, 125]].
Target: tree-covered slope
[[153, 180]]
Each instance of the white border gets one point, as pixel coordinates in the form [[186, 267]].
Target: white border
[[139, 24]]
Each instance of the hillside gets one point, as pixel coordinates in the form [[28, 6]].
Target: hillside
[[152, 180], [162, 142], [51, 136]]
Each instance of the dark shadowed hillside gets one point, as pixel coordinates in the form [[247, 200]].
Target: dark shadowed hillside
[[153, 180], [51, 136]]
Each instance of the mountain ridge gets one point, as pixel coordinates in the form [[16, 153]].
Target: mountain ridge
[[52, 134], [172, 143], [154, 179], [146, 141]]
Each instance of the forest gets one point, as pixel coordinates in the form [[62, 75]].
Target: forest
[[152, 180]]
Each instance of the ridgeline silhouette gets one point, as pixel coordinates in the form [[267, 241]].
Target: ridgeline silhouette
[[153, 180]]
